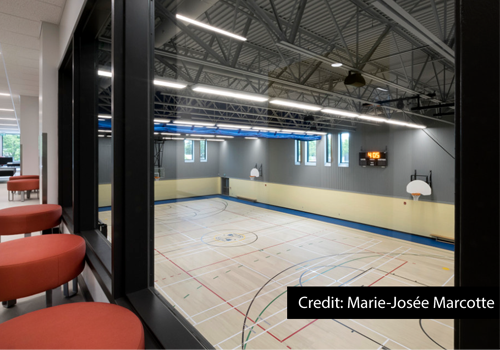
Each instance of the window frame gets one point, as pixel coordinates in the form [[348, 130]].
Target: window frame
[[297, 155], [192, 151], [342, 164], [204, 160], [306, 153], [328, 149]]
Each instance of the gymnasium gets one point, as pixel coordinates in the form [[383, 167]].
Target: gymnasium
[[169, 168]]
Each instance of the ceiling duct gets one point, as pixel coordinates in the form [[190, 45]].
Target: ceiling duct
[[355, 79]]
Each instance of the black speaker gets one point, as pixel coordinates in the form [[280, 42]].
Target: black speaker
[[355, 79]]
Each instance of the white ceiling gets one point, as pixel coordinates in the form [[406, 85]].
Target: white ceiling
[[20, 24]]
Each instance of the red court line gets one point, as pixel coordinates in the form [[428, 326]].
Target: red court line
[[298, 330], [237, 256], [388, 273], [233, 307]]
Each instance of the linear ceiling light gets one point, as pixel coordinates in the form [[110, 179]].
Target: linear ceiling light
[[224, 137], [196, 135], [265, 129], [294, 104], [417, 126], [159, 120], [339, 112], [251, 138], [229, 93], [293, 131], [181, 122], [4, 94], [336, 65], [177, 138], [315, 133], [382, 89], [219, 140], [395, 122], [232, 126], [104, 130], [7, 118], [191, 139], [206, 26], [170, 133], [104, 116], [6, 110], [168, 83], [12, 125], [368, 117], [104, 73]]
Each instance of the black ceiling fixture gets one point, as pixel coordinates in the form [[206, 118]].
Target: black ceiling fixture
[[354, 79]]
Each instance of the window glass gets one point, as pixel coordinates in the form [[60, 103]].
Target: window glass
[[203, 150], [344, 149], [311, 152], [188, 150], [11, 146], [328, 149], [298, 151]]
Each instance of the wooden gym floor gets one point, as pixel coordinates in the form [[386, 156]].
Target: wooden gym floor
[[225, 266]]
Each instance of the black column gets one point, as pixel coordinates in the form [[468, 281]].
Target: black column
[[132, 109], [477, 165]]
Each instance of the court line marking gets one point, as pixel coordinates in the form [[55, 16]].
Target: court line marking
[[362, 325], [444, 324], [177, 305], [201, 274], [448, 280]]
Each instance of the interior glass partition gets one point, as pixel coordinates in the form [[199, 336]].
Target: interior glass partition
[[255, 81]]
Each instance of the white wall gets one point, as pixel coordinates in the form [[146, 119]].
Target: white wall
[[29, 135], [71, 14]]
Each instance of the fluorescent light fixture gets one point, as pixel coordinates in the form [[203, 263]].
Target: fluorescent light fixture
[[265, 129], [411, 125], [104, 73], [219, 140], [339, 112], [159, 120], [232, 126], [104, 116], [181, 122], [177, 138], [4, 94], [336, 65], [294, 104], [104, 130], [191, 139], [170, 133], [368, 117], [224, 137], [315, 133], [167, 83], [7, 118], [196, 135], [395, 122], [381, 89], [157, 133], [6, 110], [251, 138], [229, 93], [206, 26], [293, 131]]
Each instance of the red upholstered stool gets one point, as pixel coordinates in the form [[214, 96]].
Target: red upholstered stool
[[39, 264], [29, 218], [74, 326], [24, 177], [22, 186]]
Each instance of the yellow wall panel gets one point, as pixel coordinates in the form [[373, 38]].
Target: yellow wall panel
[[417, 217]]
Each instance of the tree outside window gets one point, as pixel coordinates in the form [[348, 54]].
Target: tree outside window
[[12, 146]]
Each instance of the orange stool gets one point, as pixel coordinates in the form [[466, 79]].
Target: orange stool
[[39, 264], [24, 177], [29, 218], [74, 326], [23, 186]]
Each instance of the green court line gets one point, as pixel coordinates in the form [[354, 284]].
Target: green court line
[[215, 277], [199, 287], [268, 256], [272, 301], [228, 271], [240, 266], [186, 296], [278, 253], [288, 250], [256, 260]]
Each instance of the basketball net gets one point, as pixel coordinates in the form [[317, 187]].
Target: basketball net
[[416, 196], [252, 177]]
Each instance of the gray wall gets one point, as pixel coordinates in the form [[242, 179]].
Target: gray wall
[[173, 161], [408, 149]]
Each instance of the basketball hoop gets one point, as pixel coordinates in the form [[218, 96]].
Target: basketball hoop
[[418, 188], [416, 196], [252, 177], [157, 178]]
